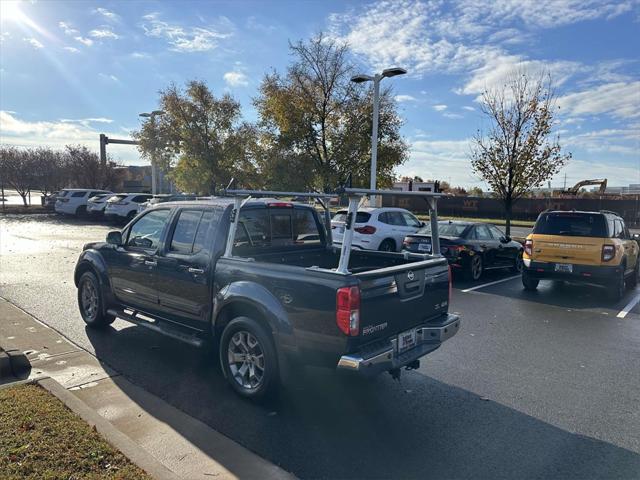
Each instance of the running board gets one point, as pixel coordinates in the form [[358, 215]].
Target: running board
[[154, 325]]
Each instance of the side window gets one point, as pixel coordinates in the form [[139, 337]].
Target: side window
[[410, 220], [612, 227], [482, 232], [253, 229], [185, 232], [93, 194], [384, 218], [140, 198], [619, 229], [146, 232], [496, 232], [78, 194], [206, 223], [396, 219], [305, 229]]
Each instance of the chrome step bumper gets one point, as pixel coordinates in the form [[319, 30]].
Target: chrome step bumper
[[428, 339]]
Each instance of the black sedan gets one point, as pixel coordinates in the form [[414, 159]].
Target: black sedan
[[470, 247]]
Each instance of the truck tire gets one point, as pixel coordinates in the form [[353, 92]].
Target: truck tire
[[474, 268], [90, 302], [387, 245], [248, 358], [528, 282]]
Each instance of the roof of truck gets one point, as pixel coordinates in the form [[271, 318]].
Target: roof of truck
[[225, 201]]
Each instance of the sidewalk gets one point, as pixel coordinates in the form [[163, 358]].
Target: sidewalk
[[181, 443]]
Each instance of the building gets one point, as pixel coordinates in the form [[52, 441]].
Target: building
[[414, 186]]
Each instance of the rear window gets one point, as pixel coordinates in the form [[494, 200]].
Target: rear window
[[571, 224], [117, 198], [78, 194], [445, 229], [361, 217], [264, 228]]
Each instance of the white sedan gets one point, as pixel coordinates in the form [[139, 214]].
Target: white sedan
[[377, 228]]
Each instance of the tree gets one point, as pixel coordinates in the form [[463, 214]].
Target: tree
[[206, 136], [316, 123], [84, 169], [518, 152], [17, 170], [50, 172], [475, 192]]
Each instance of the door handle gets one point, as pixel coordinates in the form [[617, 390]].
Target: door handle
[[151, 263], [195, 270]]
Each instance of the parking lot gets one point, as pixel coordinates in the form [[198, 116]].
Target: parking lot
[[536, 384]]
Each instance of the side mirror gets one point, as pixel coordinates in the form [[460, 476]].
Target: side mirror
[[505, 239], [114, 238], [423, 224]]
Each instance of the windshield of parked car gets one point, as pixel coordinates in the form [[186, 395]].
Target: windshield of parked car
[[361, 217], [573, 224], [445, 229]]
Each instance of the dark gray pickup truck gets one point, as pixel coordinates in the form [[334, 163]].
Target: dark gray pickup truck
[[261, 281]]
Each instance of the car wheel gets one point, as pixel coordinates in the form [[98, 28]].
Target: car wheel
[[81, 211], [528, 282], [633, 280], [617, 289], [518, 264], [387, 245], [90, 302], [248, 358], [474, 268]]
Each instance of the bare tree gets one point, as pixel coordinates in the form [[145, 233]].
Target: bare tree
[[49, 173], [84, 168], [17, 170], [518, 152]]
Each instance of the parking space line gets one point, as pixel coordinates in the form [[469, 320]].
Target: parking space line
[[629, 306], [489, 284]]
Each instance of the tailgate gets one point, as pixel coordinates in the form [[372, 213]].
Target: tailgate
[[396, 299], [562, 249]]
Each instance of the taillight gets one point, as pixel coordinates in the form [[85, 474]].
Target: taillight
[[348, 310], [450, 284], [528, 247], [608, 252], [366, 230], [280, 204]]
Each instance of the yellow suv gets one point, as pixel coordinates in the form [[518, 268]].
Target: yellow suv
[[591, 247]]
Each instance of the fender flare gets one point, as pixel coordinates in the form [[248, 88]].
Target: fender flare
[[93, 261]]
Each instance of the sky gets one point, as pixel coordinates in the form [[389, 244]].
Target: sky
[[70, 70]]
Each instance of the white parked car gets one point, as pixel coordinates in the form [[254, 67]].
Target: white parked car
[[95, 205], [74, 201], [125, 205], [377, 228]]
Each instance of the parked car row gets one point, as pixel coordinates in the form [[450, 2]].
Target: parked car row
[[114, 206]]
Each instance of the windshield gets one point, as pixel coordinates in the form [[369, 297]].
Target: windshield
[[361, 217], [574, 224], [445, 229]]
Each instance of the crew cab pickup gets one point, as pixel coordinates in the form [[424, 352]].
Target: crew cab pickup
[[261, 281]]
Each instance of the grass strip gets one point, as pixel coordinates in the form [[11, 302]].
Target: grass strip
[[40, 438]]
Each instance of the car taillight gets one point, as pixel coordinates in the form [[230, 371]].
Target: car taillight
[[280, 204], [608, 252], [348, 310], [528, 247], [366, 230], [450, 284]]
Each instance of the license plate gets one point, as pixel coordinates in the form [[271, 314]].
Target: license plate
[[564, 267], [424, 247], [407, 340]]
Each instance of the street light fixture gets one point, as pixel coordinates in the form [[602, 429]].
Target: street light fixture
[[154, 182], [386, 73]]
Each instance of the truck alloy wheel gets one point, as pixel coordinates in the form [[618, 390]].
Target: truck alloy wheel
[[248, 358], [90, 302]]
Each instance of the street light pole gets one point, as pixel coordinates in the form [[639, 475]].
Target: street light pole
[[376, 79], [154, 176]]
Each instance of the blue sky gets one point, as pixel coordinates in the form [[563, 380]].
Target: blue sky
[[71, 70]]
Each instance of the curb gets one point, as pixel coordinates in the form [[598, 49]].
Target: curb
[[13, 363], [116, 438]]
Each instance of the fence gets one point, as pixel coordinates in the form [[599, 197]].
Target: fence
[[524, 209]]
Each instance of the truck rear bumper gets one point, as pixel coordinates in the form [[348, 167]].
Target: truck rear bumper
[[386, 357]]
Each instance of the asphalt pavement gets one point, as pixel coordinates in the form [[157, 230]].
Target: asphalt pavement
[[536, 385]]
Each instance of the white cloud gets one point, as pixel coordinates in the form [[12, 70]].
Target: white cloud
[[187, 39], [468, 108], [439, 108], [405, 98], [236, 79], [85, 41], [111, 77], [103, 32], [34, 43], [452, 116], [71, 49], [67, 28], [621, 141], [140, 55], [109, 15], [620, 99]]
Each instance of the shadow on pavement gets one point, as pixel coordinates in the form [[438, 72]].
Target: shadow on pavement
[[328, 426]]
